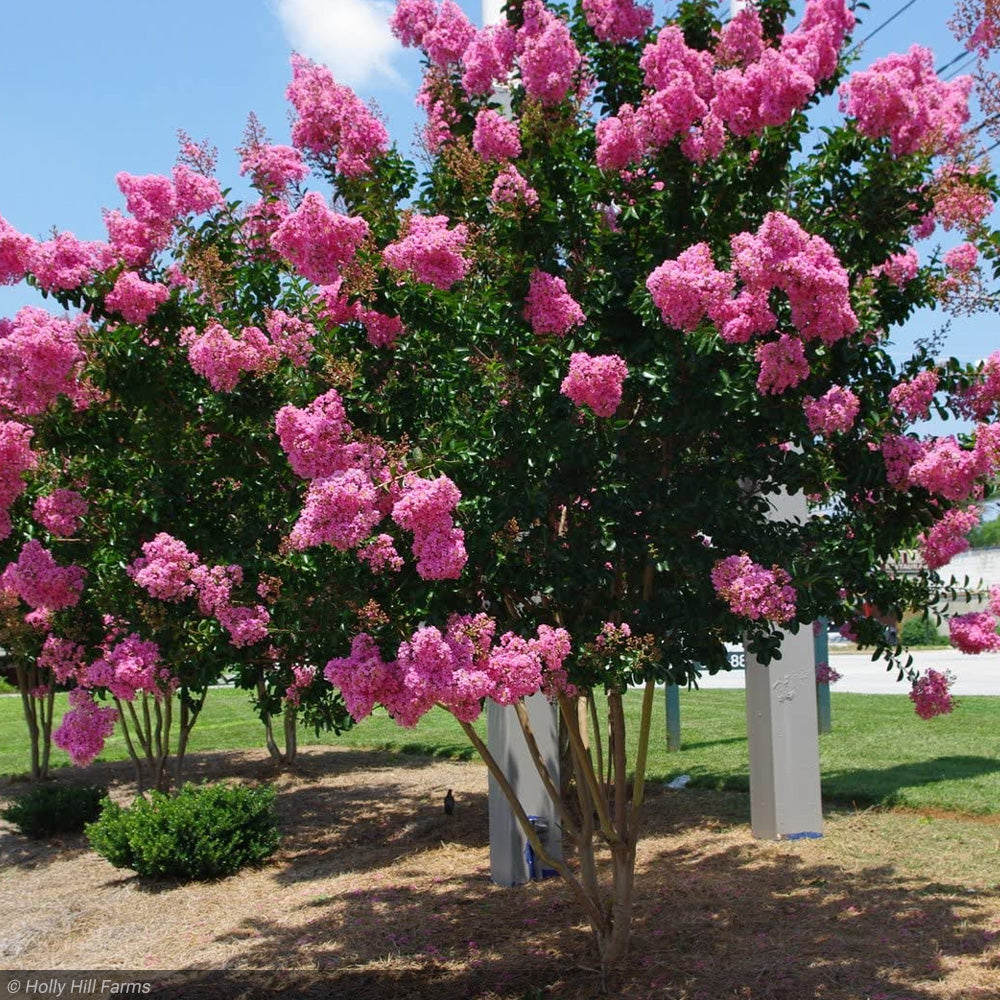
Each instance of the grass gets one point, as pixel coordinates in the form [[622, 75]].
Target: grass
[[879, 752]]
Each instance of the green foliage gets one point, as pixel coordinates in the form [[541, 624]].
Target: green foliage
[[985, 535], [47, 810], [201, 832], [921, 631]]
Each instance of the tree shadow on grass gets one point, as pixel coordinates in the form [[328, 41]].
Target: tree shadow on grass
[[718, 916]]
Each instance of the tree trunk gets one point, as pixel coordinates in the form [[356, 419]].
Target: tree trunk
[[291, 717]]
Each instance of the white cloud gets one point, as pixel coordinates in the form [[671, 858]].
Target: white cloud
[[352, 37]]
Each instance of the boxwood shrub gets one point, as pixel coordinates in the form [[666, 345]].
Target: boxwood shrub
[[200, 832], [47, 810]]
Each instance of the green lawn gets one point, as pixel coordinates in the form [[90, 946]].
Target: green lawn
[[879, 751]]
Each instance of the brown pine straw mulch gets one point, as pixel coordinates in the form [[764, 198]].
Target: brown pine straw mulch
[[376, 894]]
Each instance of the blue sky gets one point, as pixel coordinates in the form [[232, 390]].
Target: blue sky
[[96, 86]]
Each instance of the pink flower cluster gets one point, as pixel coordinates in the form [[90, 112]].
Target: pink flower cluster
[[66, 262], [595, 381], [510, 188], [980, 399], [273, 168], [495, 138], [549, 60], [458, 669], [60, 512], [16, 458], [134, 299], [783, 364], [618, 20], [947, 469], [430, 251], [425, 508], [974, 633], [488, 59], [962, 259], [340, 510], [549, 307], [302, 677], [130, 667], [42, 583], [900, 268], [65, 660], [317, 241], [913, 398], [931, 694], [948, 536], [84, 728], [40, 360], [899, 453], [443, 33], [221, 358], [169, 571], [745, 86], [752, 591], [901, 97], [825, 674], [15, 253], [834, 412], [689, 288], [315, 439], [332, 120], [960, 202]]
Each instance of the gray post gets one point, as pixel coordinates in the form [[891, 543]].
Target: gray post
[[821, 653], [673, 697], [782, 728], [508, 861]]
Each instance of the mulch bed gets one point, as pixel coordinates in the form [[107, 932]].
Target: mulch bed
[[376, 894]]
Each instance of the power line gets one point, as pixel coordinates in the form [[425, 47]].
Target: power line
[[960, 68], [888, 20]]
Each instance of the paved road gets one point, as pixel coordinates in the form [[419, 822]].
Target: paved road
[[974, 674]]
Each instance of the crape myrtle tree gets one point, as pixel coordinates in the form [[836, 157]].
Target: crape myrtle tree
[[519, 428]]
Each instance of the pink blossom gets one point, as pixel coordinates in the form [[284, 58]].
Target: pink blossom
[[974, 633], [317, 241], [902, 98], [314, 438], [510, 188], [783, 364], [291, 337], [618, 20], [40, 581], [979, 400], [134, 299], [913, 398], [133, 241], [494, 137], [412, 20], [219, 357], [195, 193], [40, 360], [706, 140], [947, 469], [948, 536], [131, 667], [549, 307], [962, 259], [834, 412], [488, 59], [959, 201], [741, 40], [595, 382], [84, 728], [246, 626], [363, 677], [302, 677], [768, 92], [214, 586], [815, 44], [621, 139], [66, 262], [64, 659], [340, 510], [447, 39], [151, 199], [164, 568], [16, 458], [931, 694], [825, 674], [752, 591], [273, 168], [425, 508], [381, 330], [687, 289], [900, 268], [670, 58], [60, 512], [380, 554], [333, 120], [430, 251], [15, 253], [549, 60]]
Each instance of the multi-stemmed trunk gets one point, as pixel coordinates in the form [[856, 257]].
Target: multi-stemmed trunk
[[289, 718], [605, 813], [38, 703]]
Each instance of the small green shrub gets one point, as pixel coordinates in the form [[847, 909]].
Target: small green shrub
[[46, 810], [200, 832], [921, 631]]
